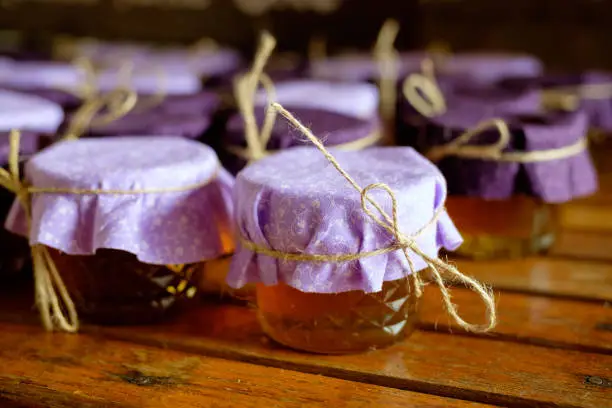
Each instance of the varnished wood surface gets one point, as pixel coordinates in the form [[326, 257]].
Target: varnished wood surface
[[62, 370], [551, 348]]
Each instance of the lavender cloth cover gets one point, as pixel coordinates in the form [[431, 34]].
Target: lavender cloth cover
[[599, 111], [337, 113], [355, 99], [33, 75], [159, 228], [27, 112], [188, 116], [553, 181], [333, 129], [297, 202], [481, 67]]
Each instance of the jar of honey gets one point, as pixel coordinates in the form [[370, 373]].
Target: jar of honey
[[324, 281], [504, 194], [128, 222]]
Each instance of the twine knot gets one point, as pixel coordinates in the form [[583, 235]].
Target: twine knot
[[403, 242], [118, 103], [424, 94], [387, 59], [245, 89], [52, 298]]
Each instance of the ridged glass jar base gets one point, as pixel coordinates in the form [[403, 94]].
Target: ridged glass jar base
[[339, 323], [113, 287]]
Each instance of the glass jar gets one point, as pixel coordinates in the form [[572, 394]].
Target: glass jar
[[114, 287], [338, 323], [511, 228]]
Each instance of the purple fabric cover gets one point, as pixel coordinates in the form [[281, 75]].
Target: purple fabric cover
[[297, 201], [178, 115], [333, 128], [66, 100], [599, 111], [28, 112], [159, 228], [481, 67], [554, 181], [154, 124]]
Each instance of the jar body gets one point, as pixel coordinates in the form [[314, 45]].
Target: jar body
[[114, 287], [338, 323], [512, 228]]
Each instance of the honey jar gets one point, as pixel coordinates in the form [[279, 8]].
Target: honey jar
[[506, 182], [127, 223], [295, 204]]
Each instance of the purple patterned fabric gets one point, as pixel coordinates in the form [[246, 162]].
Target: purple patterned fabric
[[178, 115], [331, 127], [297, 202], [66, 100], [159, 228], [481, 67], [553, 181], [41, 75], [64, 76], [599, 111], [359, 100], [154, 124], [28, 112]]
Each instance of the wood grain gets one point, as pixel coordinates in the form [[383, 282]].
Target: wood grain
[[583, 244], [476, 369], [561, 323], [587, 280], [61, 370]]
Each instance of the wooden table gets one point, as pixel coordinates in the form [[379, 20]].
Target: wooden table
[[552, 347]]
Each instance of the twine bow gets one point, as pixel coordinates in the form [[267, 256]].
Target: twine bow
[[125, 77], [569, 97], [387, 58], [403, 242], [52, 299], [245, 89], [423, 93], [54, 303], [118, 102]]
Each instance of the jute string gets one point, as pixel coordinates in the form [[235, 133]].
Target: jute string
[[423, 93], [387, 59], [118, 103], [569, 97], [245, 90], [54, 303], [126, 76], [403, 242]]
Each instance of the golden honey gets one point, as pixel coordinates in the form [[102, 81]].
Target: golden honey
[[338, 323], [511, 228]]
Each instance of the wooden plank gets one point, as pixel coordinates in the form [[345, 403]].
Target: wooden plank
[[561, 323], [587, 280], [62, 370], [476, 369], [594, 245]]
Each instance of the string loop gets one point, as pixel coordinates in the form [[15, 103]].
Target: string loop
[[402, 241], [424, 94], [118, 102]]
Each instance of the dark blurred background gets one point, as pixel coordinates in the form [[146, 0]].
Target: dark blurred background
[[566, 34]]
